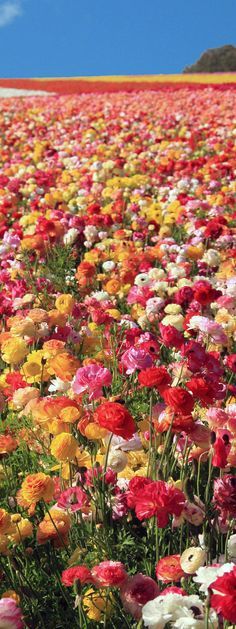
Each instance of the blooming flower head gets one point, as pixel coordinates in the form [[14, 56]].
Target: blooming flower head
[[80, 573], [136, 591], [223, 599], [135, 358], [91, 379], [116, 418], [36, 487], [159, 499], [169, 569], [10, 614], [109, 574]]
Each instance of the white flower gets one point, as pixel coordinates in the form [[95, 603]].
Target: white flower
[[109, 265], [58, 385], [205, 575], [232, 546], [211, 257], [153, 305], [117, 460], [142, 279], [70, 236], [100, 295], [153, 615]]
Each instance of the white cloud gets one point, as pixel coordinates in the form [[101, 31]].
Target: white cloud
[[9, 11]]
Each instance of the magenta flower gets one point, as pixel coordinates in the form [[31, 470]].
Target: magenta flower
[[10, 614], [91, 379], [134, 358]]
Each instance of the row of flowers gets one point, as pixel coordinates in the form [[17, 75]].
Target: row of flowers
[[118, 360]]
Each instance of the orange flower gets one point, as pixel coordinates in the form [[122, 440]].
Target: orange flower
[[64, 447], [7, 444], [85, 273], [64, 366], [54, 527], [5, 522], [56, 318], [36, 487], [112, 287]]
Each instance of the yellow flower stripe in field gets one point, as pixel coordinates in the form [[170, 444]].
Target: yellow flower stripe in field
[[221, 77]]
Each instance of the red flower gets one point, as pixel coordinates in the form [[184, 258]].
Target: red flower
[[224, 600], [170, 337], [179, 400], [201, 390], [169, 569], [136, 484], [230, 362], [80, 573], [221, 451], [204, 293], [109, 574], [161, 500], [116, 418], [157, 377]]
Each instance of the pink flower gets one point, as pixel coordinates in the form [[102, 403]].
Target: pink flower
[[91, 379], [109, 574], [136, 592], [211, 328], [133, 359], [73, 498], [10, 614]]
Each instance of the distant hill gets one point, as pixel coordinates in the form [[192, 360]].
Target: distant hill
[[221, 59]]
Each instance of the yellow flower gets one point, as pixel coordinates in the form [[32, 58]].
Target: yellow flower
[[14, 350], [176, 320], [23, 327], [24, 528], [35, 368], [96, 604], [94, 431], [64, 447], [65, 304]]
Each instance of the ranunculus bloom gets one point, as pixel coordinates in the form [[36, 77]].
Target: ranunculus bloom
[[109, 574], [225, 494], [192, 558], [73, 498], [135, 358], [116, 418], [170, 337], [136, 592], [159, 499], [55, 528], [91, 379], [223, 599], [7, 444], [169, 569], [80, 573], [36, 487], [64, 446], [156, 377], [10, 614], [179, 400]]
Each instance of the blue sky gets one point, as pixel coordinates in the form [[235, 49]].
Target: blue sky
[[102, 37]]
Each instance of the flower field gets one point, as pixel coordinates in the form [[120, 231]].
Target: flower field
[[118, 358]]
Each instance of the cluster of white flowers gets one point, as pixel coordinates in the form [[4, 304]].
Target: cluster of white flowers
[[180, 611]]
